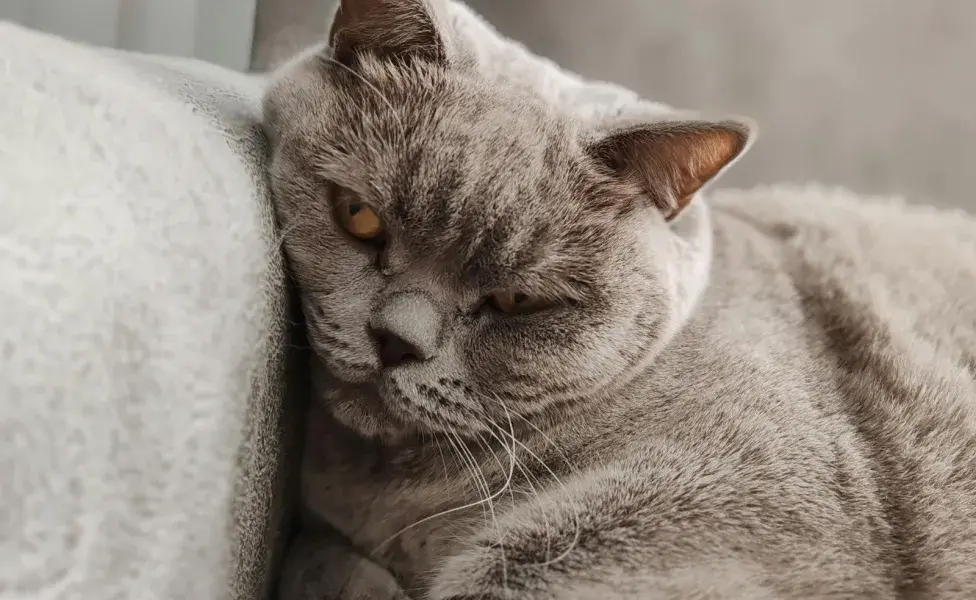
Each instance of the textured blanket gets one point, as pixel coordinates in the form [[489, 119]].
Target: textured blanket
[[143, 327]]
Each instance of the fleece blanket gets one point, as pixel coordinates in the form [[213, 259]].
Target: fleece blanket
[[144, 328]]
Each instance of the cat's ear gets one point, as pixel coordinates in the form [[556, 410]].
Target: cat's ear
[[388, 28], [670, 161]]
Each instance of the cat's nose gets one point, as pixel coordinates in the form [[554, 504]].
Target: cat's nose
[[394, 350], [406, 328]]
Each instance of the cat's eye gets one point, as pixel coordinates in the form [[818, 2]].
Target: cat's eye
[[360, 220], [514, 302]]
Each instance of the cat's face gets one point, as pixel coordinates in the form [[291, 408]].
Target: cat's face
[[465, 255]]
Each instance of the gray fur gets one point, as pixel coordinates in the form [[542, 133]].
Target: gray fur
[[771, 396]]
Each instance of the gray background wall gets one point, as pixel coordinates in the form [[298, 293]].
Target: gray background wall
[[218, 31], [878, 95]]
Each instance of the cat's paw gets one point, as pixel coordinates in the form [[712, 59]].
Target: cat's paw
[[489, 572], [537, 559], [323, 568]]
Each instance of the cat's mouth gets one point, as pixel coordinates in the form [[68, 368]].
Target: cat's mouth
[[380, 407], [364, 410]]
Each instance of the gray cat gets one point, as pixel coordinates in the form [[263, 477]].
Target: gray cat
[[548, 369]]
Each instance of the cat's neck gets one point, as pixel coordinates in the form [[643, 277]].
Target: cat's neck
[[685, 257], [691, 264]]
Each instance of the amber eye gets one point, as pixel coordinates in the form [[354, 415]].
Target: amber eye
[[360, 220], [510, 302]]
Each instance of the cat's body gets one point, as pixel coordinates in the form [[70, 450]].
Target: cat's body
[[810, 433], [771, 396]]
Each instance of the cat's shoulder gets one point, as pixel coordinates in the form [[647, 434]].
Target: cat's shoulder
[[887, 261]]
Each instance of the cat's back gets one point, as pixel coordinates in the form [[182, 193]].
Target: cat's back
[[912, 268], [819, 409]]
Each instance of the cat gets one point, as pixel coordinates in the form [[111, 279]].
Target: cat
[[547, 368]]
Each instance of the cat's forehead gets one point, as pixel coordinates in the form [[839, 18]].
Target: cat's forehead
[[482, 174], [422, 137], [447, 114], [496, 192]]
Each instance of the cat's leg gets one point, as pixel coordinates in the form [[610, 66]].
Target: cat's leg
[[620, 534], [323, 566], [481, 576]]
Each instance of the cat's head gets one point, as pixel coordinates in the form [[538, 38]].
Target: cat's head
[[466, 254]]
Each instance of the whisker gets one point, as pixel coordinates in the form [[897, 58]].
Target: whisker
[[440, 451], [548, 439], [487, 501], [576, 510], [494, 454], [280, 236], [508, 481], [479, 474], [490, 502], [577, 513], [480, 502], [533, 491], [501, 535], [481, 484]]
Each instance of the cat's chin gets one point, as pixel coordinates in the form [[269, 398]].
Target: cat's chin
[[361, 409]]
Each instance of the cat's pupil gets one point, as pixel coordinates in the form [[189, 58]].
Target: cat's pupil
[[354, 209]]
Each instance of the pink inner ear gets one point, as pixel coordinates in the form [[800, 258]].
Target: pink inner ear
[[711, 153], [695, 158], [672, 161]]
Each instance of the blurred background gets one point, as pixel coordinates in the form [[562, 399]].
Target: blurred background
[[217, 31], [876, 95]]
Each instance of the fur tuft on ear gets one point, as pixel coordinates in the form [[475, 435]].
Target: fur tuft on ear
[[388, 28], [671, 160]]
